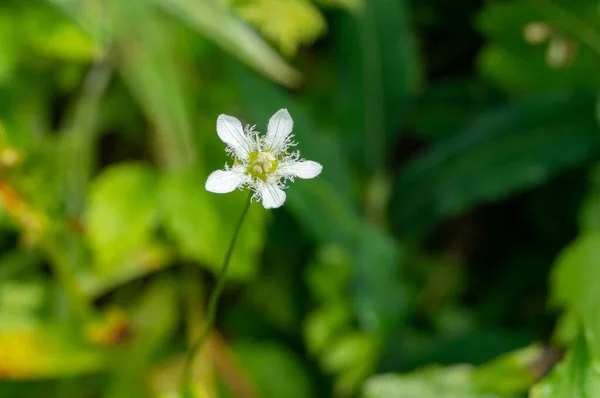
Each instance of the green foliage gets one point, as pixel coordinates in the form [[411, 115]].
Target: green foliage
[[231, 34], [275, 369], [572, 284], [289, 24], [122, 212], [379, 77], [589, 217], [514, 148], [460, 196], [577, 376], [502, 378], [349, 4], [198, 223], [329, 333], [540, 46]]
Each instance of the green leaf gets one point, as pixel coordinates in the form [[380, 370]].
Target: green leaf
[[149, 258], [203, 223], [154, 319], [9, 46], [505, 150], [322, 326], [434, 382], [16, 262], [21, 304], [352, 5], [22, 296], [507, 376], [121, 212], [510, 373], [574, 285], [378, 80], [275, 370], [276, 295], [577, 376], [232, 34], [323, 211], [379, 298], [447, 105], [290, 23], [328, 277], [149, 67], [353, 357], [45, 350], [50, 33], [91, 16], [537, 46], [156, 78], [79, 134]]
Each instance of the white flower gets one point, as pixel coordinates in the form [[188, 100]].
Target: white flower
[[261, 163]]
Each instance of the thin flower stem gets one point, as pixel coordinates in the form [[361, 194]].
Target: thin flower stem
[[212, 309]]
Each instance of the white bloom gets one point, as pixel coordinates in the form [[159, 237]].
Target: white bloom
[[261, 163]]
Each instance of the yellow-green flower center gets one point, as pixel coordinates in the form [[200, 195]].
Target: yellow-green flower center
[[261, 164]]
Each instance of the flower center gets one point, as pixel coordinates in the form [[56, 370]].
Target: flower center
[[261, 164]]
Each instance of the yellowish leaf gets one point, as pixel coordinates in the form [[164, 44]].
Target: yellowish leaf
[[40, 352], [290, 23]]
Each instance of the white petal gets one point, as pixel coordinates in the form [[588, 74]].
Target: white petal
[[272, 196], [222, 181], [231, 132], [279, 128], [303, 169]]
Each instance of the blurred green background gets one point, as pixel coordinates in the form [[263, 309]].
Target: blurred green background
[[450, 248]]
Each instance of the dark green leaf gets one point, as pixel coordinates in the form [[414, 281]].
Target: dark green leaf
[[376, 81], [538, 46], [505, 150]]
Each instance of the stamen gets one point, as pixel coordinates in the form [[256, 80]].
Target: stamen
[[261, 164]]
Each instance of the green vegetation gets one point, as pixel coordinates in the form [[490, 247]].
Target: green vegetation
[[449, 249]]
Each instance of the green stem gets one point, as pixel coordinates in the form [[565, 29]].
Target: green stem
[[212, 309]]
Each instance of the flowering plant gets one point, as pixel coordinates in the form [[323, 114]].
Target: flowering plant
[[262, 163]]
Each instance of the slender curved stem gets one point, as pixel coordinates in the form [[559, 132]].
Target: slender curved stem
[[212, 309]]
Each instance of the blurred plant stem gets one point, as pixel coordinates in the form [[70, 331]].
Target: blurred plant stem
[[66, 278], [212, 309], [220, 353], [80, 132]]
